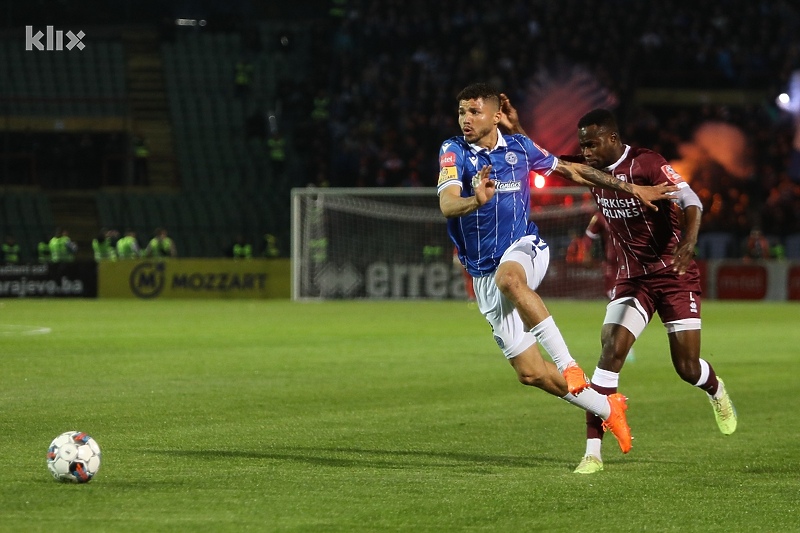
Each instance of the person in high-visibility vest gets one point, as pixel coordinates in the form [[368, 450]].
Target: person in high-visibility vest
[[141, 154], [128, 246], [242, 78], [320, 112], [241, 249], [161, 245], [62, 249], [43, 251], [271, 246], [104, 246], [276, 145], [10, 249]]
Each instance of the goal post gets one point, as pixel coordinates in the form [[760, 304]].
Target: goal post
[[392, 243]]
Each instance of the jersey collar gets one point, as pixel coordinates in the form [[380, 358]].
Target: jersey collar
[[624, 155], [501, 143]]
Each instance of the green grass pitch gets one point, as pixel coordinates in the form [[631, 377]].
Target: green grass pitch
[[381, 416]]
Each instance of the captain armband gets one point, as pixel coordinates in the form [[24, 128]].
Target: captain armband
[[686, 197]]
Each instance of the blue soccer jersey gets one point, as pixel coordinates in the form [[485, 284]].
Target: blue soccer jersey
[[482, 236]]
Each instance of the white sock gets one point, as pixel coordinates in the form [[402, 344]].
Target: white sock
[[549, 338], [593, 447], [605, 378], [705, 371], [592, 401], [720, 391]]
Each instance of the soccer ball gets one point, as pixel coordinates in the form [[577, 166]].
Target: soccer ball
[[73, 457]]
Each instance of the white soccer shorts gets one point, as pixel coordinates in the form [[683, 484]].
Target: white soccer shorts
[[509, 332]]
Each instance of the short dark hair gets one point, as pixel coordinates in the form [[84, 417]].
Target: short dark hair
[[479, 90], [602, 118]]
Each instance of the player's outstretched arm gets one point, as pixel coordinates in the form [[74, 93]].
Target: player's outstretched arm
[[589, 176], [454, 205], [584, 174]]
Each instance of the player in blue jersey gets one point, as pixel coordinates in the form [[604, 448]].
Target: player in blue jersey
[[485, 194]]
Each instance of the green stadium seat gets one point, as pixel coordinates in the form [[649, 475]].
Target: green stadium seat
[[203, 219], [210, 245], [186, 216], [134, 214], [28, 210], [169, 214], [44, 212], [153, 211], [11, 210], [216, 213], [105, 213]]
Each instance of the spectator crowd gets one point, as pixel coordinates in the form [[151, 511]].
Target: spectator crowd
[[395, 68]]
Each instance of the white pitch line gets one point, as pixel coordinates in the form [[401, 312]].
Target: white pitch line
[[14, 329]]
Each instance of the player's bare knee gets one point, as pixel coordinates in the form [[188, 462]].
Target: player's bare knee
[[531, 378], [509, 282], [688, 371]]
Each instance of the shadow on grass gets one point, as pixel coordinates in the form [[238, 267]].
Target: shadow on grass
[[359, 457]]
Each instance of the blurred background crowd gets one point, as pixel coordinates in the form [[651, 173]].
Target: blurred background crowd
[[696, 82], [340, 93]]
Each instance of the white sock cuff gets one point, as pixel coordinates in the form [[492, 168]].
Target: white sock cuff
[[549, 338], [605, 378], [593, 447], [541, 326], [704, 372]]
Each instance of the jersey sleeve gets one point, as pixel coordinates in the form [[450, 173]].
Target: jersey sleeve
[[539, 160], [451, 157], [685, 196], [658, 170]]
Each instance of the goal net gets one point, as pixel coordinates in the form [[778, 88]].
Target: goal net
[[393, 243]]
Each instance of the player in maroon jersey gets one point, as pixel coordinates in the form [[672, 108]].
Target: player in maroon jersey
[[655, 272], [655, 264]]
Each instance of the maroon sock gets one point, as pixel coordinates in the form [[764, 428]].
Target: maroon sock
[[712, 383], [594, 424]]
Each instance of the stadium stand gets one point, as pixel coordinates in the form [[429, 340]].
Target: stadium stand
[[364, 95], [89, 84], [27, 216], [222, 171]]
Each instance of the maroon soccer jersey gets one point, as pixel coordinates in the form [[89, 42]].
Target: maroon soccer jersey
[[643, 239]]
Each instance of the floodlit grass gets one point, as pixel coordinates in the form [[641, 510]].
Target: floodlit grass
[[380, 416]]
